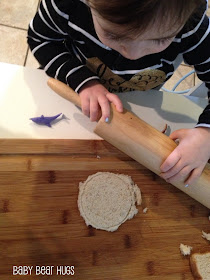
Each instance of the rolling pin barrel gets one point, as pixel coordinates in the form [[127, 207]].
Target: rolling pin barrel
[[141, 142], [149, 147]]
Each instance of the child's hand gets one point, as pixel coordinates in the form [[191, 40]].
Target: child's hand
[[188, 160], [94, 96]]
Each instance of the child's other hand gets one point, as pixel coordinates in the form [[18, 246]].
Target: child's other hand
[[188, 160], [95, 97]]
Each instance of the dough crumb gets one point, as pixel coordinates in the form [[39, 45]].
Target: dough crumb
[[185, 249], [206, 235], [145, 210]]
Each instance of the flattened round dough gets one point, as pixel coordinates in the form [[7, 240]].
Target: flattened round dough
[[106, 200]]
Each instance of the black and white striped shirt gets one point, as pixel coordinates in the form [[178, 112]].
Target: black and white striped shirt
[[62, 38]]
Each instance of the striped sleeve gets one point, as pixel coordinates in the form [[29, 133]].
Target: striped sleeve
[[46, 38], [196, 52]]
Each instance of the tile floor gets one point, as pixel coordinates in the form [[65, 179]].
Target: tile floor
[[14, 20]]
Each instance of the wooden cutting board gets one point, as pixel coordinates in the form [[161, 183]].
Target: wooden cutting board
[[40, 224]]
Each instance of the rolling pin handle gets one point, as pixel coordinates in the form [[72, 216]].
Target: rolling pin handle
[[64, 91]]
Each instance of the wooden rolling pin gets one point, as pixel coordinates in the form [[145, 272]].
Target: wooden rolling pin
[[140, 141]]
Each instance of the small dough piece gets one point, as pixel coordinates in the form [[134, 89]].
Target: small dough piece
[[145, 210], [106, 200], [185, 249], [206, 235]]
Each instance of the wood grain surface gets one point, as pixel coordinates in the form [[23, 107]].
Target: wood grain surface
[[40, 224]]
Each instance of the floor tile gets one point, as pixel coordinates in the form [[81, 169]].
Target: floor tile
[[31, 61], [197, 80], [13, 45], [18, 13], [208, 11], [182, 70]]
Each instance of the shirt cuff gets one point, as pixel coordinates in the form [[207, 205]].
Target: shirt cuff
[[203, 125], [204, 118]]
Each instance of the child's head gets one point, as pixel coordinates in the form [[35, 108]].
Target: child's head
[[136, 28]]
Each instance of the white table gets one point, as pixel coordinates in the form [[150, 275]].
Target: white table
[[24, 94]]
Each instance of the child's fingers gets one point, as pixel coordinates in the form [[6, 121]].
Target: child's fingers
[[94, 109], [181, 176], [178, 134], [105, 106], [116, 101], [173, 171], [195, 174], [85, 105], [171, 161]]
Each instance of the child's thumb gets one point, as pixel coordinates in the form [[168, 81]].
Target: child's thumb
[[177, 134], [113, 98]]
